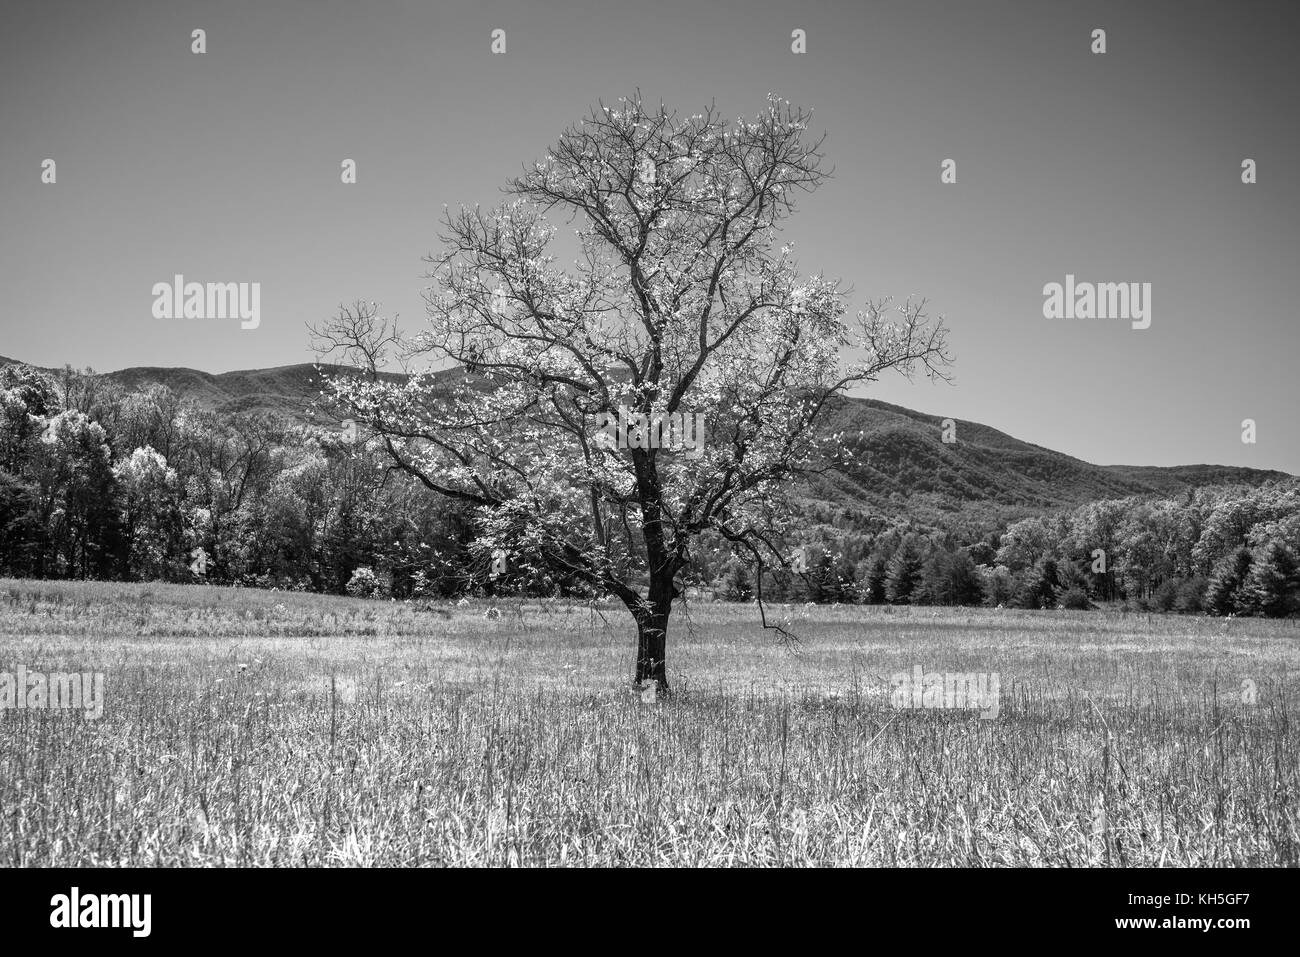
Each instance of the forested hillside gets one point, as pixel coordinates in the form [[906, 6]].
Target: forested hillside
[[244, 477]]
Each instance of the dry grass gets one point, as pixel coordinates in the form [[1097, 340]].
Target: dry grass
[[380, 734]]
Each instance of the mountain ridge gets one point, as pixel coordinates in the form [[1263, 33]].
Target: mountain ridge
[[902, 464]]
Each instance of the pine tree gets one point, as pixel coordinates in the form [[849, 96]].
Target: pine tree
[[964, 583], [935, 588], [873, 592], [1272, 585], [1224, 592], [903, 574], [1040, 585]]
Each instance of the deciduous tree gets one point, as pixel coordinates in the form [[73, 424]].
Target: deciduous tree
[[681, 301]]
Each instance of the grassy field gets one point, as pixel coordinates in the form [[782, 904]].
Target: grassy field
[[267, 728]]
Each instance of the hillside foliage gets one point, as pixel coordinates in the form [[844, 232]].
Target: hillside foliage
[[104, 480]]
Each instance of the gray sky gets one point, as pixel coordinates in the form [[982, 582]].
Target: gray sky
[[1123, 167]]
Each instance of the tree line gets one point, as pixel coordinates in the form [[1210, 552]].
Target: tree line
[[103, 482], [1222, 550]]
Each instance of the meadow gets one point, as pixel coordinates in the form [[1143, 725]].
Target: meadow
[[248, 727]]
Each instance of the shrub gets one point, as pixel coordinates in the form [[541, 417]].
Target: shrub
[[364, 583], [1166, 596], [735, 584], [999, 585], [1191, 594], [1075, 599]]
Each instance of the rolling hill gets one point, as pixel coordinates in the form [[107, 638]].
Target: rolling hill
[[902, 465]]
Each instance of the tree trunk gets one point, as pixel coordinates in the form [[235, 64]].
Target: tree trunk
[[651, 641], [652, 633], [652, 614]]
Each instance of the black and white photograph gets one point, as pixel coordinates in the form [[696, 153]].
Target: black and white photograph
[[852, 437]]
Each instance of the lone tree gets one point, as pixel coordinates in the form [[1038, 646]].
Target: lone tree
[[680, 302]]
